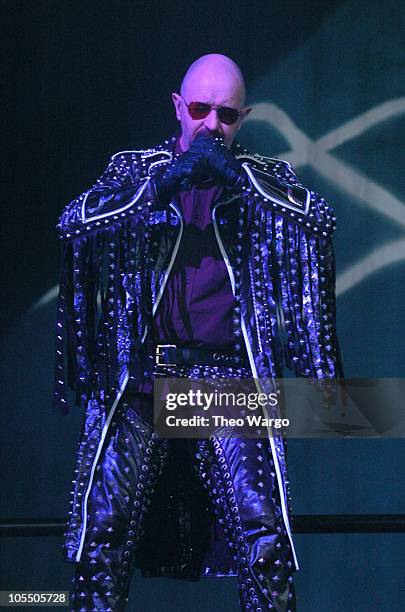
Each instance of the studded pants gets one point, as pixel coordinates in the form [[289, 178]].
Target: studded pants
[[239, 478]]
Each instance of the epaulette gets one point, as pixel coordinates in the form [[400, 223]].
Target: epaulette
[[274, 180]]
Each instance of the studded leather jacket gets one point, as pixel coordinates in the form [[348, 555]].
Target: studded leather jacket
[[118, 247]]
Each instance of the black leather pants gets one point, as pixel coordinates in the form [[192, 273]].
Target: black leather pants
[[238, 476], [241, 482]]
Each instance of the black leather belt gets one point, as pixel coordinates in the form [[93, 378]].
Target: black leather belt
[[170, 354]]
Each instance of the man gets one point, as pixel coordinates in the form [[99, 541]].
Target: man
[[194, 259]]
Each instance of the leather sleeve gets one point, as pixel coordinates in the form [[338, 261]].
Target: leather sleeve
[[118, 189], [277, 185]]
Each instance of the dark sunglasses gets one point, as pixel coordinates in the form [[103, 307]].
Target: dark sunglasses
[[201, 110]]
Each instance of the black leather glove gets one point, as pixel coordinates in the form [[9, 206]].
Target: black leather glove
[[180, 175], [222, 165]]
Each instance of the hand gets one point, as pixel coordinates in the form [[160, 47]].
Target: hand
[[181, 174], [221, 164]]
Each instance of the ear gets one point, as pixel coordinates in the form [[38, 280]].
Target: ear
[[177, 101], [245, 111]]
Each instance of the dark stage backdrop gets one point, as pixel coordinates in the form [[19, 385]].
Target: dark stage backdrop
[[326, 80]]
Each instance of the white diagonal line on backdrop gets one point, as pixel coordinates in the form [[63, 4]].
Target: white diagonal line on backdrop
[[389, 253], [305, 151]]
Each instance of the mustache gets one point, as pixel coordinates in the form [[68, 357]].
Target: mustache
[[206, 132]]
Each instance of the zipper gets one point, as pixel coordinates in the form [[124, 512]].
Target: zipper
[[254, 371]]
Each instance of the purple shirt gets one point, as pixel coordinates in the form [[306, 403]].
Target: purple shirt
[[196, 305]]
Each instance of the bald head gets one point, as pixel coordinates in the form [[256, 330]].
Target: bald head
[[215, 80], [218, 74]]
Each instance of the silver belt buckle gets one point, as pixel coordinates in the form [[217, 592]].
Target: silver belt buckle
[[158, 354]]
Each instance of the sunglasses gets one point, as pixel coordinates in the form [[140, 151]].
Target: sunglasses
[[201, 110]]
